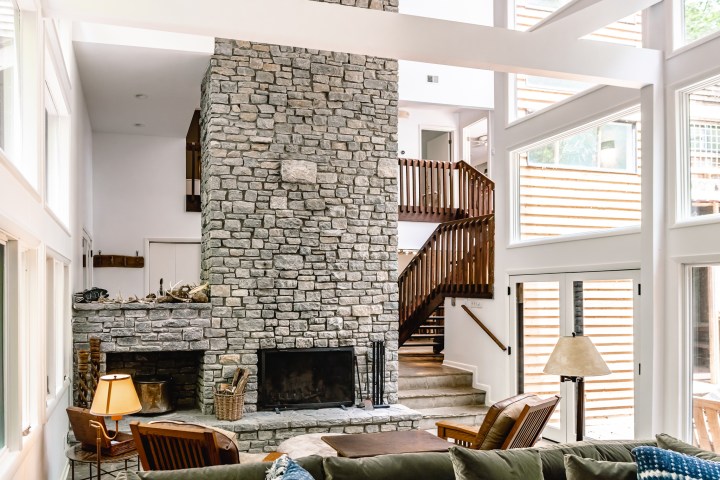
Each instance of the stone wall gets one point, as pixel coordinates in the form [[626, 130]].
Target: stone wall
[[299, 219], [387, 5]]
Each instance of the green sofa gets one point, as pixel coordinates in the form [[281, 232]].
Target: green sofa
[[409, 466]]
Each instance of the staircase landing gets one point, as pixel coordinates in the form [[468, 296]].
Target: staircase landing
[[438, 392]]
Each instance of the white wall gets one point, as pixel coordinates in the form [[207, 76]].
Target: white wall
[[139, 194], [24, 217], [417, 119], [466, 87], [412, 235]]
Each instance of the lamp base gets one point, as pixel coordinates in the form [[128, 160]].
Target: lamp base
[[579, 405]]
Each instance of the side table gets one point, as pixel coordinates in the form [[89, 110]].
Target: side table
[[77, 454]]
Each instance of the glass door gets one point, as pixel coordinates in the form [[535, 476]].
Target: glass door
[[600, 305]]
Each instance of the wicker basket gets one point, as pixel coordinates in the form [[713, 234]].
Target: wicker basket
[[230, 406]]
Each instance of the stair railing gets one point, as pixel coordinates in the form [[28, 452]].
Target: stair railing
[[457, 260], [439, 191], [485, 329]]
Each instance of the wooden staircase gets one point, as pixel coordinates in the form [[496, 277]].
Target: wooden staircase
[[430, 334], [457, 260]]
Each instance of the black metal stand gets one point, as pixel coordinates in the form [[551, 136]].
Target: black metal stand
[[378, 384], [579, 405]]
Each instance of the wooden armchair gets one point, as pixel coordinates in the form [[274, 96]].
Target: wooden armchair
[[174, 447], [516, 422], [706, 417]]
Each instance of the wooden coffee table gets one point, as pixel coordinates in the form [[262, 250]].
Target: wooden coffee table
[[384, 443]]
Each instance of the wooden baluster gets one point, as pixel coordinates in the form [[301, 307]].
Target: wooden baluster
[[401, 200]]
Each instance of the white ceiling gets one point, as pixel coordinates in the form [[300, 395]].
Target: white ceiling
[[113, 74]]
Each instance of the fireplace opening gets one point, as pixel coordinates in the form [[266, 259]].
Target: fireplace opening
[[306, 378], [169, 379]]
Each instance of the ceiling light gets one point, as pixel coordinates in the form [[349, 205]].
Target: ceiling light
[[141, 96], [139, 125]]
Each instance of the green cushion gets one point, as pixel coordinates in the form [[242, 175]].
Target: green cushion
[[578, 468], [519, 464], [670, 443], [248, 471], [406, 466], [553, 461]]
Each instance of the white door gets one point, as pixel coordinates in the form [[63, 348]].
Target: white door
[[173, 262], [601, 305]]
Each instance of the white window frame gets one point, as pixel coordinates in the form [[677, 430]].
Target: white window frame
[[678, 30], [683, 194], [57, 312], [514, 154]]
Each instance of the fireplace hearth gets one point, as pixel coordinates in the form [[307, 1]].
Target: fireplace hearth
[[306, 378]]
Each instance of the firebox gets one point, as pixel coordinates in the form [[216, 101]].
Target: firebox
[[305, 378]]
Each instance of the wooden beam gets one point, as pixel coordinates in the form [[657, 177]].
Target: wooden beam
[[326, 26]]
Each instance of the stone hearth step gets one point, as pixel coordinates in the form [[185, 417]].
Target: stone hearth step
[[464, 414], [441, 397]]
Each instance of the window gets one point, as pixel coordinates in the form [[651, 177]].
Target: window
[[9, 103], [700, 127], [700, 18], [609, 146], [705, 352], [57, 165], [2, 344], [58, 297], [587, 180]]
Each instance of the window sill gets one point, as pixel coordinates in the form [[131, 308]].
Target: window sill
[[60, 223], [689, 46], [575, 237], [696, 221], [15, 172]]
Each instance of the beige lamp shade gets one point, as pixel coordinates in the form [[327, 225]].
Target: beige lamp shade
[[576, 357], [115, 396]]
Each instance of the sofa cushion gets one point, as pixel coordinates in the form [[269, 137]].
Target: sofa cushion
[[405, 466], [657, 464], [578, 468], [670, 443], [518, 464], [493, 426], [249, 471], [553, 461]]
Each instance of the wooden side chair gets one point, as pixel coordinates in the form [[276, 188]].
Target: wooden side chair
[[706, 417], [174, 447], [516, 422]]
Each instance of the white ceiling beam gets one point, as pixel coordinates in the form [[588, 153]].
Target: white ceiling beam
[[583, 17], [326, 26]]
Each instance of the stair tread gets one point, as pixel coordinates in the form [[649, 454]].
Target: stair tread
[[439, 392], [456, 411], [420, 344], [425, 335]]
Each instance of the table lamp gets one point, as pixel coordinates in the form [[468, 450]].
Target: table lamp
[[575, 358], [115, 396]]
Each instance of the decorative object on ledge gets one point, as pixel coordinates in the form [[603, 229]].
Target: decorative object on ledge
[[185, 294], [90, 295], [118, 261], [230, 398], [94, 367]]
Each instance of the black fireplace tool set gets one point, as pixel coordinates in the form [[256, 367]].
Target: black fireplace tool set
[[377, 384]]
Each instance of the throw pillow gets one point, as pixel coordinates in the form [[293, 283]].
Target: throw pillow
[[579, 468], [519, 464], [284, 468], [657, 464], [670, 443]]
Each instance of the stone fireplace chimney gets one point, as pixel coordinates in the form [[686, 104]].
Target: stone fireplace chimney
[[299, 204]]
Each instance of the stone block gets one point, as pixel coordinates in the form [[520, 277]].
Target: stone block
[[299, 171]]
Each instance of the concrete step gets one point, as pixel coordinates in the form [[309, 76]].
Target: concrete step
[[466, 415], [441, 397]]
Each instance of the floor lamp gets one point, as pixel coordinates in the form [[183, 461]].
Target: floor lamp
[[575, 358], [115, 397]]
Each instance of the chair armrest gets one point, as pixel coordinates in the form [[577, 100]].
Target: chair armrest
[[462, 434]]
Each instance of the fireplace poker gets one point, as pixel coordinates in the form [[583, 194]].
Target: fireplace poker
[[357, 370]]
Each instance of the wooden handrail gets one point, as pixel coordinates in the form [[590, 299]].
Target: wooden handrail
[[485, 329], [431, 190]]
